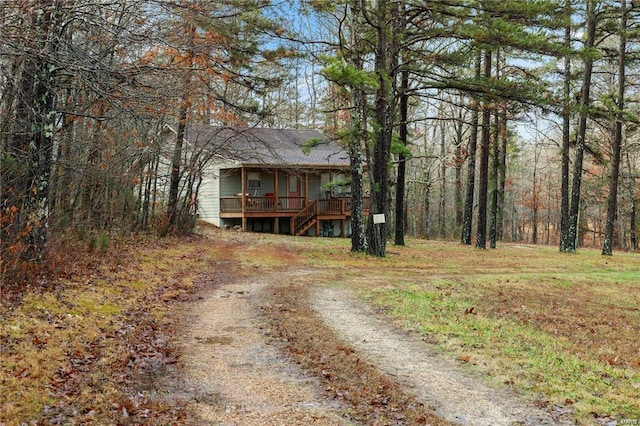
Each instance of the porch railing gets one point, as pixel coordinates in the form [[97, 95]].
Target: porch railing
[[334, 205], [331, 206], [231, 204], [261, 204]]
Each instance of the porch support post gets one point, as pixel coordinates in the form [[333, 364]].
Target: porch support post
[[275, 189], [330, 186], [276, 225], [244, 198], [306, 188]]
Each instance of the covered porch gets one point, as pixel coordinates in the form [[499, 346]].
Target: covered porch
[[281, 200]]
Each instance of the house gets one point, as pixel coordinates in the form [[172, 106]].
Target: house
[[272, 180]]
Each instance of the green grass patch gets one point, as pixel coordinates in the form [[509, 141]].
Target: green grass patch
[[514, 352]]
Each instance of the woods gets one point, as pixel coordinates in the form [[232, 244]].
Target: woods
[[142, 141], [87, 89], [477, 121], [544, 98]]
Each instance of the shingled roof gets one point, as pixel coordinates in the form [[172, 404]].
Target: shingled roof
[[255, 146]]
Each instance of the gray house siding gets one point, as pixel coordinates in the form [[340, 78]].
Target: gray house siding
[[209, 196], [315, 190], [209, 201]]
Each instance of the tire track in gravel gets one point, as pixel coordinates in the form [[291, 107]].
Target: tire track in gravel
[[238, 376], [457, 395]]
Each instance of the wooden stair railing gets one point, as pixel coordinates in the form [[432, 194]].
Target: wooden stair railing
[[304, 219]]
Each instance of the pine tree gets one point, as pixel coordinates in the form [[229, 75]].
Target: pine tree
[[607, 247], [571, 237]]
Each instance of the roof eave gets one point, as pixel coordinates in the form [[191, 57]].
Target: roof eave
[[294, 166]]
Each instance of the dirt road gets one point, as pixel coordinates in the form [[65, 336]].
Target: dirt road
[[240, 374]]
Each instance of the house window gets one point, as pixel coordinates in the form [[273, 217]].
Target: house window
[[253, 180]]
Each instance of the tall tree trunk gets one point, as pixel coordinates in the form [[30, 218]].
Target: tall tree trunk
[[176, 164], [574, 210], [31, 147], [442, 205], [402, 158], [385, 66], [358, 230], [427, 206], [355, 146], [566, 132], [458, 173], [40, 156], [633, 242], [502, 179], [495, 168], [535, 198], [467, 221], [176, 159], [481, 239], [607, 246], [357, 142]]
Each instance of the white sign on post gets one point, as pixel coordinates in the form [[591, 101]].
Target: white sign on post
[[378, 218]]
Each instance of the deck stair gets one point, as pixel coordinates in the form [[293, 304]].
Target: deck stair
[[305, 219]]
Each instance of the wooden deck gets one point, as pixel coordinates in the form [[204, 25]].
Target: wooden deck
[[262, 205]]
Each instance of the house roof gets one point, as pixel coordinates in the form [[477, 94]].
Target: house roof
[[255, 146]]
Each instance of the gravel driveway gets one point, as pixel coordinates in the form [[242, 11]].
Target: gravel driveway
[[241, 376]]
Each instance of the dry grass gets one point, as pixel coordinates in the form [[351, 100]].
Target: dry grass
[[78, 347], [372, 397]]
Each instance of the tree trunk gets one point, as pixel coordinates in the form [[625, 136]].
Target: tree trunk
[[385, 66], [31, 147], [607, 246], [502, 179], [574, 210], [467, 221], [495, 165], [356, 144], [176, 163], [566, 132], [427, 206], [358, 230], [458, 172], [495, 171], [633, 242], [176, 159], [400, 184], [442, 205], [534, 199], [481, 239], [632, 222]]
